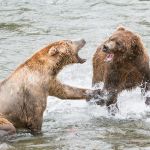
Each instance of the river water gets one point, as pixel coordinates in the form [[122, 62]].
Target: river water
[[27, 25]]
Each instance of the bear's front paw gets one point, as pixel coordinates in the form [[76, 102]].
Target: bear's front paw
[[96, 97], [113, 109], [147, 102]]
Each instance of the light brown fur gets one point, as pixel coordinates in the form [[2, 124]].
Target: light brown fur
[[6, 127], [24, 93]]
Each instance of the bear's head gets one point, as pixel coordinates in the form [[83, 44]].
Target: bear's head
[[55, 56], [66, 51], [122, 44]]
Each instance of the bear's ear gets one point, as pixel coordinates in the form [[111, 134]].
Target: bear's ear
[[121, 28], [137, 45], [53, 51]]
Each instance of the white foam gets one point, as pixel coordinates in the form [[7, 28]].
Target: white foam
[[5, 146], [131, 105]]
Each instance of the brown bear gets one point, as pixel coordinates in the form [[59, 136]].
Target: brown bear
[[122, 63], [23, 95], [6, 127]]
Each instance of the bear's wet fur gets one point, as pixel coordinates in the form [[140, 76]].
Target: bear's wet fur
[[121, 62], [23, 95]]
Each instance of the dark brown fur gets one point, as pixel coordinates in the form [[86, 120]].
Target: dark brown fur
[[128, 69]]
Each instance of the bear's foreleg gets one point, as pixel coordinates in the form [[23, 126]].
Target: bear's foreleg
[[63, 91]]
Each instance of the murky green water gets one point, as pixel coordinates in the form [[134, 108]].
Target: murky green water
[[27, 25]]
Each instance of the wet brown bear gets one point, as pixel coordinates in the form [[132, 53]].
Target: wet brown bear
[[24, 93], [122, 63], [6, 128]]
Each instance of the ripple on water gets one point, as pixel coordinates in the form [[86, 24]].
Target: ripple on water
[[11, 26], [74, 125]]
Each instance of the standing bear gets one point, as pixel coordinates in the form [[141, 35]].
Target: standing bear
[[23, 95], [121, 62]]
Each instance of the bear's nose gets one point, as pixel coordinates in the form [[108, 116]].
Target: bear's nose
[[80, 42], [105, 48]]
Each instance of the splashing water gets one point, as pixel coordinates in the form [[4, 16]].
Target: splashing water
[[131, 106], [75, 125]]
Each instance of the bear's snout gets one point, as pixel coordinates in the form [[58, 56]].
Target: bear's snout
[[105, 48], [109, 46], [79, 44]]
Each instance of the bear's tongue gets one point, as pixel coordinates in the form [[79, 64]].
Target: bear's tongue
[[109, 57]]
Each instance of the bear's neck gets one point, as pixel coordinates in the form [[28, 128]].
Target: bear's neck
[[56, 68]]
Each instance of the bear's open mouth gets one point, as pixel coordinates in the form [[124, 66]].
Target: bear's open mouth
[[81, 60], [109, 57]]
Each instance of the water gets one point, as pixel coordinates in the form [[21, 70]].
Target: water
[[27, 25]]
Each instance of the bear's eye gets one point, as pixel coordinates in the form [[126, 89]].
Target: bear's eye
[[110, 39], [118, 43], [69, 42]]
